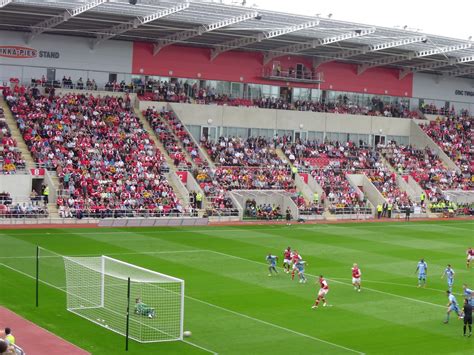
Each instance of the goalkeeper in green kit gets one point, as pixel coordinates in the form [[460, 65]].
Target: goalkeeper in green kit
[[143, 310]]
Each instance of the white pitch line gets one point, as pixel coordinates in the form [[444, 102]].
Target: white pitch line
[[399, 284], [223, 309], [334, 280], [63, 290], [200, 347], [110, 254], [274, 325]]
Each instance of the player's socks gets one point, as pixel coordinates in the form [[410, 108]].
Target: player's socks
[[293, 275]]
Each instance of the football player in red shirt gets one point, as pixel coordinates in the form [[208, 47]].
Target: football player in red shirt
[[295, 257], [356, 277], [287, 260], [470, 257], [324, 289]]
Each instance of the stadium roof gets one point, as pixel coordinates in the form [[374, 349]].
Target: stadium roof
[[225, 27]]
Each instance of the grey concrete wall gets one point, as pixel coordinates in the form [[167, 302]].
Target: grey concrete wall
[[416, 188], [438, 89], [369, 190], [18, 185], [76, 58], [303, 188], [420, 139], [220, 116], [176, 181]]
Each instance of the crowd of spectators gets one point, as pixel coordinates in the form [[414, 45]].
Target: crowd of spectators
[[32, 209], [455, 135], [386, 182], [235, 151], [341, 106], [169, 140], [184, 137], [10, 156], [105, 161], [176, 139], [426, 168], [262, 211], [305, 207], [180, 92]]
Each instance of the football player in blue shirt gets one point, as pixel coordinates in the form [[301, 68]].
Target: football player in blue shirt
[[449, 273], [421, 268], [272, 261], [452, 306]]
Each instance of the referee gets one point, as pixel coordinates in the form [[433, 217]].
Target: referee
[[467, 317]]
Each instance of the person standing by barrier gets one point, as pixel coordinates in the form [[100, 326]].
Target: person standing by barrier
[[199, 200], [422, 199], [379, 210], [294, 171], [46, 194], [389, 210], [315, 198]]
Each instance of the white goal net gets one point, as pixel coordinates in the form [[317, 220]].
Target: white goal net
[[97, 289]]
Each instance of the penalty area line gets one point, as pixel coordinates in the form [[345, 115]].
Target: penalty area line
[[200, 347], [274, 325], [63, 290]]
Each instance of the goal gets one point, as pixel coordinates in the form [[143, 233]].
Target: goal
[[98, 289]]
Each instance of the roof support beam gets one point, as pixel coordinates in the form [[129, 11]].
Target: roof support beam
[[4, 3], [394, 59], [434, 65], [135, 23], [65, 16], [441, 50], [460, 72], [299, 47], [375, 47], [242, 42], [197, 31]]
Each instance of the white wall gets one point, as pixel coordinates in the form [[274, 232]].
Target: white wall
[[76, 59], [224, 116], [442, 88], [18, 185]]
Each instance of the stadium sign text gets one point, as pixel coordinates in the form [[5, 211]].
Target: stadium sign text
[[20, 52], [463, 93]]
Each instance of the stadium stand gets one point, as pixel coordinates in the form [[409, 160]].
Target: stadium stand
[[426, 168], [105, 160], [455, 135], [10, 156]]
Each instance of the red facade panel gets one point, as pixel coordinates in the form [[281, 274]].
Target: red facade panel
[[240, 66]]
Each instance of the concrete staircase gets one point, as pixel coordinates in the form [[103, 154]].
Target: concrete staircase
[[53, 182], [153, 136], [299, 183], [202, 152], [146, 125], [16, 134]]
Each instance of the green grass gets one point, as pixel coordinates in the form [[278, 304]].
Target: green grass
[[233, 307]]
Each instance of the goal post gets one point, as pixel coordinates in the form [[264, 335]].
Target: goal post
[[97, 290]]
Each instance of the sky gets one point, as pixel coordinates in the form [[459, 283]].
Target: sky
[[431, 17]]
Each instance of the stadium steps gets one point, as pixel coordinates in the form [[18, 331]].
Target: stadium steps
[[53, 210], [279, 152], [16, 134], [172, 131], [202, 151], [146, 125], [154, 137]]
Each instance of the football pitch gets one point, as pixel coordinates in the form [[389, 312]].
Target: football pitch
[[233, 307]]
